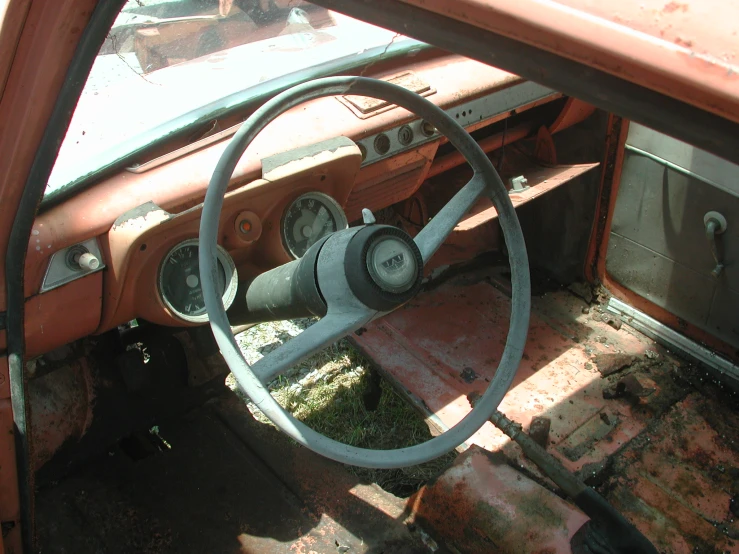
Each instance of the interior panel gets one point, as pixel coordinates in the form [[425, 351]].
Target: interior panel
[[658, 246]]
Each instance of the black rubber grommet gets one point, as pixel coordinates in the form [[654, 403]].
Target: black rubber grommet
[[358, 276]]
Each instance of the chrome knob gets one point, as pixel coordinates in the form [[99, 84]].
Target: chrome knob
[[715, 225]]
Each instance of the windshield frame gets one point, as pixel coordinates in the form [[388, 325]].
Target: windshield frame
[[130, 151]]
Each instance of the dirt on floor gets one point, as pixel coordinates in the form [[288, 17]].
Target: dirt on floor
[[338, 393]]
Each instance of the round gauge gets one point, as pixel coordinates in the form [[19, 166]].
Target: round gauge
[[179, 281], [309, 218]]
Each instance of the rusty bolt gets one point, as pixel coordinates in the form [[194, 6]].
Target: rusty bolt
[[539, 430]]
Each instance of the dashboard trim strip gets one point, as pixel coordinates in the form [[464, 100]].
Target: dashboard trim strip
[[468, 114]]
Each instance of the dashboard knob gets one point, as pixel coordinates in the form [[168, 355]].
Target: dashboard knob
[[368, 217], [88, 261], [248, 227]]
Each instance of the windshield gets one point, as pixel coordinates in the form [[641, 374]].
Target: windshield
[[167, 64]]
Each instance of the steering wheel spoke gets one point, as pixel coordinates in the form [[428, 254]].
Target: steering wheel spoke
[[433, 235], [322, 333]]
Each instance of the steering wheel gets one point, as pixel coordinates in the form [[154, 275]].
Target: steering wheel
[[359, 274]]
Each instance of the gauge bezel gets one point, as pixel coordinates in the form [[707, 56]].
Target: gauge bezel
[[332, 205], [229, 268]]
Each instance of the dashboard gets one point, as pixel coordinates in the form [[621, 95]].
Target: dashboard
[[127, 247]]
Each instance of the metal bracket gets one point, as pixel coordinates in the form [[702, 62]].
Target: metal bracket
[[672, 339], [518, 184]]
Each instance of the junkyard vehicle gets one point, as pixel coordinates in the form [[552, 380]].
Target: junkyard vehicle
[[519, 210]]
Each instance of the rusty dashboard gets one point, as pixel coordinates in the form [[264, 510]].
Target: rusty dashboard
[[357, 154]]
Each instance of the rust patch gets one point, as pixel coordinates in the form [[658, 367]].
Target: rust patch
[[608, 363], [671, 7], [62, 408], [481, 504], [675, 481]]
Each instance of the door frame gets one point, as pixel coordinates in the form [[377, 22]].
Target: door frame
[[46, 52]]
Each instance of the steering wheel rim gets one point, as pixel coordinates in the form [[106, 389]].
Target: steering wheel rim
[[494, 187]]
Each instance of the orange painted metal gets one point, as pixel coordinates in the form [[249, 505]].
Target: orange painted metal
[[667, 462], [62, 408], [444, 347], [480, 124], [14, 17], [136, 246], [37, 42], [63, 315], [573, 112], [392, 180], [4, 378], [481, 501], [684, 49], [618, 130], [681, 476], [541, 179], [181, 184], [612, 189], [44, 50]]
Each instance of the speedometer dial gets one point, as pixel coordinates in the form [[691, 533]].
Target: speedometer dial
[[179, 281], [309, 218]]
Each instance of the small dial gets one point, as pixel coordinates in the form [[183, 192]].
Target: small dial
[[309, 218], [179, 281]]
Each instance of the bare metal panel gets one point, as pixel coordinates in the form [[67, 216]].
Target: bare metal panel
[[658, 246], [721, 173], [660, 279], [663, 210]]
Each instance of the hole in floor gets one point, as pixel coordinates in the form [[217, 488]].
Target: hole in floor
[[337, 393]]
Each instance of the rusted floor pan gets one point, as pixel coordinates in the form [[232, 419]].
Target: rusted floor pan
[[228, 484], [622, 411], [632, 420]]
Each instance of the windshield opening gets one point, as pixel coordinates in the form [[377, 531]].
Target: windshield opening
[[165, 61]]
